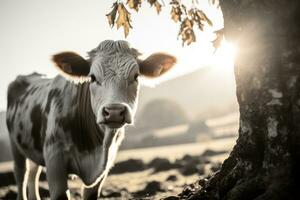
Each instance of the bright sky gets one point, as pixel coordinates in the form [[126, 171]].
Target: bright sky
[[33, 30]]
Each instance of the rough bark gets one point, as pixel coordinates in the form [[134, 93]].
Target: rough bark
[[264, 164]]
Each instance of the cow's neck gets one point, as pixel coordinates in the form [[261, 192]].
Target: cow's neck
[[89, 135], [102, 143], [98, 145]]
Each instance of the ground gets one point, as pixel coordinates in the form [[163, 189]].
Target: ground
[[150, 173]]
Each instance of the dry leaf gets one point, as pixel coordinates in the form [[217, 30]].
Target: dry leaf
[[112, 15], [176, 14], [219, 37], [203, 17], [157, 6], [188, 23], [151, 2], [183, 8], [126, 27], [123, 19], [196, 18], [134, 4], [189, 36], [174, 2], [186, 32]]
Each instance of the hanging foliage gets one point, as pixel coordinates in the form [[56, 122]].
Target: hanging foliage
[[187, 20], [219, 38], [123, 19]]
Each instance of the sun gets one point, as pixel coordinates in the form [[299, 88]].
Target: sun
[[225, 55]]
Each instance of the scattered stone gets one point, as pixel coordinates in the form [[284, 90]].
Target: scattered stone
[[172, 178], [44, 192], [201, 169], [189, 169], [161, 164], [156, 161], [131, 165], [43, 176], [7, 178], [202, 182], [10, 195], [187, 191], [151, 189], [111, 194], [188, 159], [76, 194], [172, 198]]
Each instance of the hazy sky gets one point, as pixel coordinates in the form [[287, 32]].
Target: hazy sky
[[33, 30]]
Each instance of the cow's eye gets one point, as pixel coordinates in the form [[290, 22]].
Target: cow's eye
[[94, 80], [136, 76]]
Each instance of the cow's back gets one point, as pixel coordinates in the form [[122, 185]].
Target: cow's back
[[19, 89], [26, 100]]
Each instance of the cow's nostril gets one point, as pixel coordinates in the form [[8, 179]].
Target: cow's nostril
[[123, 112], [116, 113], [105, 112]]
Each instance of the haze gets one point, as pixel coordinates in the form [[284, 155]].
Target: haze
[[33, 30]]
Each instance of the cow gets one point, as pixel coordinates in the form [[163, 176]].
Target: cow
[[74, 123]]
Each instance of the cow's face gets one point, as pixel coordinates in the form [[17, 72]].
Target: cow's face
[[113, 70]]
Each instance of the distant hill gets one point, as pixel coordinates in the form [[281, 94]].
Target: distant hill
[[203, 93], [190, 99]]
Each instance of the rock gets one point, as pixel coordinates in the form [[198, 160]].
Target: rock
[[172, 198], [131, 165], [201, 169], [172, 178], [7, 178], [188, 159], [191, 164], [111, 194], [188, 169], [202, 182], [44, 192], [161, 164], [151, 189], [10, 195], [43, 176], [192, 168], [75, 193], [187, 191], [210, 152]]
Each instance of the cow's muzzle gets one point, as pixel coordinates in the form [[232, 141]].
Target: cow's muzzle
[[115, 115]]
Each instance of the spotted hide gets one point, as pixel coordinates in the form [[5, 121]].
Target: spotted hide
[[74, 123]]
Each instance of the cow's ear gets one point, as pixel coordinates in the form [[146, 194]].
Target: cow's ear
[[156, 64], [72, 64]]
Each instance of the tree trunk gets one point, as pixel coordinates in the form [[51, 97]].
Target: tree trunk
[[264, 164]]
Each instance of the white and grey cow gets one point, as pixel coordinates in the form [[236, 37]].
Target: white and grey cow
[[76, 128]]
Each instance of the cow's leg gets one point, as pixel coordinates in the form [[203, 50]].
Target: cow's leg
[[57, 175], [19, 171], [93, 193], [33, 174]]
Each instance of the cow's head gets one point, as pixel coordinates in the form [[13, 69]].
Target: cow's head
[[113, 69]]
